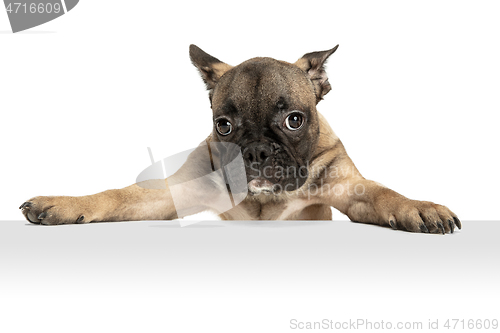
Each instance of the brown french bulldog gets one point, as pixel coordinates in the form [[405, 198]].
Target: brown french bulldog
[[295, 167]]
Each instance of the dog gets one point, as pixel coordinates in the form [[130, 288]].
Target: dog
[[294, 166]]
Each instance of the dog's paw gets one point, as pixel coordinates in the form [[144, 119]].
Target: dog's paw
[[421, 216], [54, 210]]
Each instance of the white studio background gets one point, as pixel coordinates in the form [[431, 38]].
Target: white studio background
[[414, 96]]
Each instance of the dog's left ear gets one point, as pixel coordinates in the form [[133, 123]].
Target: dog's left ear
[[211, 68], [314, 65]]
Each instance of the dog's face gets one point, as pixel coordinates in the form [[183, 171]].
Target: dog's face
[[267, 108]]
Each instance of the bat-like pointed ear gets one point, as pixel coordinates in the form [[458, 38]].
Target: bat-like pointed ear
[[314, 65], [211, 68]]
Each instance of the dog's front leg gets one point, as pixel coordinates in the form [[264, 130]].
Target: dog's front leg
[[367, 201], [132, 203]]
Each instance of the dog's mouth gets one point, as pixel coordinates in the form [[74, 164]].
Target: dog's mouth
[[275, 179], [260, 185]]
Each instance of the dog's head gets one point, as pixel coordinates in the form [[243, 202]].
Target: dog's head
[[267, 108]]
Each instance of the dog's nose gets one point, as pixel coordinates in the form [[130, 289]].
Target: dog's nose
[[257, 153]]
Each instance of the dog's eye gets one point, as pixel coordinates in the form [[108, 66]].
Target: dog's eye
[[294, 121], [224, 127]]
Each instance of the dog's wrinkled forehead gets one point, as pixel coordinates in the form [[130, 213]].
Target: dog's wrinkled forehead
[[260, 84], [264, 78]]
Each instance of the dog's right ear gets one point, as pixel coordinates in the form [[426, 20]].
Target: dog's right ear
[[211, 68]]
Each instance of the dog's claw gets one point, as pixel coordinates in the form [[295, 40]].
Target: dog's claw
[[27, 204], [424, 229], [458, 223], [80, 219], [42, 216], [393, 225], [441, 226], [452, 226]]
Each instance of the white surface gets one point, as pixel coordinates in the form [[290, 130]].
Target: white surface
[[240, 276]]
